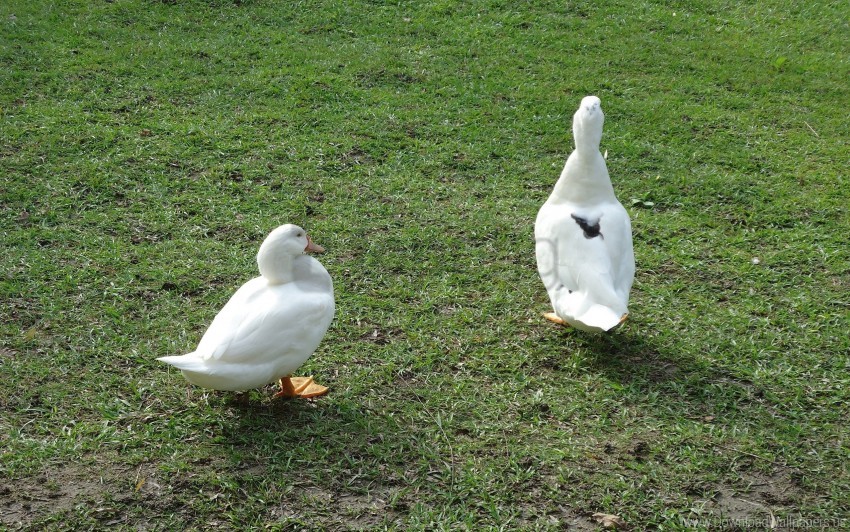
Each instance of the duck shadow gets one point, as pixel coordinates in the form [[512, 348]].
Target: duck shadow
[[292, 419], [327, 430], [652, 374], [622, 355]]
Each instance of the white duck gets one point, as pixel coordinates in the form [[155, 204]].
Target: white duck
[[270, 326], [583, 235]]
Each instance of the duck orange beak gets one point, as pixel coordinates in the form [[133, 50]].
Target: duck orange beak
[[313, 247]]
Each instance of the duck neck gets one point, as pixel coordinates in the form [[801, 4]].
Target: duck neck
[[276, 268], [584, 178]]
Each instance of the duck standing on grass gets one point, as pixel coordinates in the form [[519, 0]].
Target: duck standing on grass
[[270, 326], [583, 235]]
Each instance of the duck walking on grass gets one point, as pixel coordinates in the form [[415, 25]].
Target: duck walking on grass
[[583, 235], [270, 326]]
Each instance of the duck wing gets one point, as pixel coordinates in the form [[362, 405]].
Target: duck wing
[[279, 322], [586, 252]]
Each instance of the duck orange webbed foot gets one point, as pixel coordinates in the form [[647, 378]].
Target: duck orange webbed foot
[[299, 387], [554, 318]]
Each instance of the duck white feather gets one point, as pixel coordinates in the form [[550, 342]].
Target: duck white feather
[[271, 325], [583, 235]]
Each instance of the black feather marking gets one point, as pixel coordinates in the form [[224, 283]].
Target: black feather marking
[[590, 231]]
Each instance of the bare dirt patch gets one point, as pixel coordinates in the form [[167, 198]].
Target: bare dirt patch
[[755, 495], [346, 510], [56, 490], [105, 493]]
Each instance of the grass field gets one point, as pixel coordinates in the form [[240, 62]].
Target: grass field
[[146, 148]]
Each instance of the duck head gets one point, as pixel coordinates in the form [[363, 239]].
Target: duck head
[[280, 248], [587, 125]]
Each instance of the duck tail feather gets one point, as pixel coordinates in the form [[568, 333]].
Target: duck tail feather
[[189, 361]]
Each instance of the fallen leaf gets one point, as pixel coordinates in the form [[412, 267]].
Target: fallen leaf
[[140, 483], [642, 203], [608, 520], [30, 334], [145, 133]]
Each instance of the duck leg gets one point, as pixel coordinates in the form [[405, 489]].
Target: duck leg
[[551, 316], [302, 387]]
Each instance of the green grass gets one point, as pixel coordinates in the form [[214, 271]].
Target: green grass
[[148, 147]]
